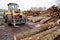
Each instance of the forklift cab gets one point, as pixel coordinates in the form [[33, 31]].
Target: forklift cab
[[12, 6], [13, 16]]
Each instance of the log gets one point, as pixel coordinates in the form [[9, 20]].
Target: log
[[44, 35], [51, 24], [52, 35], [30, 18], [58, 22], [37, 19], [45, 20], [30, 32]]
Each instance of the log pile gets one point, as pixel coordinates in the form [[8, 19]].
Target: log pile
[[52, 33], [34, 31], [33, 13], [30, 32], [45, 30], [27, 35], [40, 36], [53, 11], [53, 23]]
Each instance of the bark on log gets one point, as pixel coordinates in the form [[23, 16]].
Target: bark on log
[[44, 35]]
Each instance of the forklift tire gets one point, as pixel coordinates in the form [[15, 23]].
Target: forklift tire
[[9, 24], [22, 23], [5, 20]]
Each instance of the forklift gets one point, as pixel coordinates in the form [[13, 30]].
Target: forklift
[[14, 16]]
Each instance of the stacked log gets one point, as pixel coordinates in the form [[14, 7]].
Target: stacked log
[[53, 11], [52, 20], [53, 23], [34, 31], [51, 33], [31, 32], [45, 20], [33, 13]]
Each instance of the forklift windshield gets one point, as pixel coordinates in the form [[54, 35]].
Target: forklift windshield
[[12, 6]]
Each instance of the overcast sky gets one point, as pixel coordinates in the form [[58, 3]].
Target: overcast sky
[[27, 4]]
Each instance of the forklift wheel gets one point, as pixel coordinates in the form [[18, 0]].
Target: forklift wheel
[[23, 23], [9, 24]]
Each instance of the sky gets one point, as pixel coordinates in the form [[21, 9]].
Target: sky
[[27, 4]]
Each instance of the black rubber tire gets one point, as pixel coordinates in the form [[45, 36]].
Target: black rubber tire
[[23, 23], [9, 24], [5, 20]]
